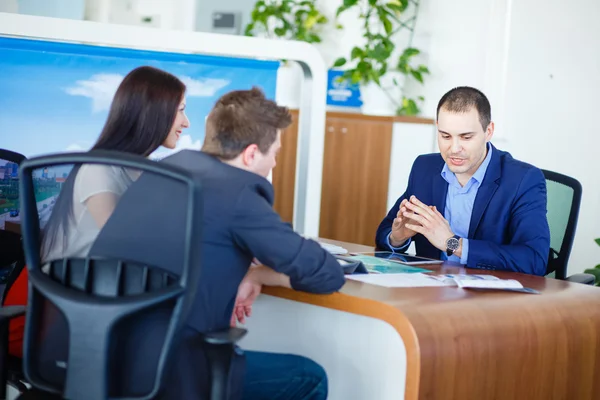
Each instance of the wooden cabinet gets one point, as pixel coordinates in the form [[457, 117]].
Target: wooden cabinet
[[356, 170]]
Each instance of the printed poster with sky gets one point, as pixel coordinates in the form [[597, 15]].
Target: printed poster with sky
[[55, 97]]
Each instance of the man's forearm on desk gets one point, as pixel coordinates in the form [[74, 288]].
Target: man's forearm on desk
[[268, 277]]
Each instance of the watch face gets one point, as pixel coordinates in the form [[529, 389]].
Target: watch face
[[452, 244]]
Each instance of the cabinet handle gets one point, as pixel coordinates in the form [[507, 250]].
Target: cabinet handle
[[330, 129], [344, 130]]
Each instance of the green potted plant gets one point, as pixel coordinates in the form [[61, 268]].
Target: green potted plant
[[291, 20], [374, 65], [286, 19], [596, 270]]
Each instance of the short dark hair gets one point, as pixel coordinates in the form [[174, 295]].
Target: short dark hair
[[241, 118], [462, 99]]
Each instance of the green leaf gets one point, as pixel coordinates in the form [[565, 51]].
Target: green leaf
[[397, 7], [310, 21], [374, 76], [280, 31], [356, 52], [387, 25], [383, 70], [423, 69], [339, 26], [403, 67], [313, 38], [249, 29], [409, 107], [597, 241], [379, 53], [421, 98], [340, 10], [410, 52], [339, 62], [372, 2], [417, 75], [350, 3]]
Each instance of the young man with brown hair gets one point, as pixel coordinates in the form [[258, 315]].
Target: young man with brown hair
[[243, 136]]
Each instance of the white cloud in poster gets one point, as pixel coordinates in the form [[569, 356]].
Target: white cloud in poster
[[100, 88], [203, 87], [76, 147], [185, 142]]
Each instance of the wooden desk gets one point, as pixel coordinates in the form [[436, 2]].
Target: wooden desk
[[462, 344]]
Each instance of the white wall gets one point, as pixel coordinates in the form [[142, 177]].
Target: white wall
[[9, 6], [71, 9], [164, 14], [551, 100]]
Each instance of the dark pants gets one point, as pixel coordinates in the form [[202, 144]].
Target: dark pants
[[283, 376]]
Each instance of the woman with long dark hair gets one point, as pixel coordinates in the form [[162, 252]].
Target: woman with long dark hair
[[147, 111]]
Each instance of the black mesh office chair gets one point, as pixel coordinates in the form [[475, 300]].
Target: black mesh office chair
[[87, 332], [12, 262], [564, 200]]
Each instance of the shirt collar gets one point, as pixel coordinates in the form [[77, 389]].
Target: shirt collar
[[477, 176]]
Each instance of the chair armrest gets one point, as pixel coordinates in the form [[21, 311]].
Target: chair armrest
[[10, 312], [586, 279], [226, 336]]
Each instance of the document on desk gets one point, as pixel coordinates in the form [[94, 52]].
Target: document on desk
[[415, 279], [333, 249], [463, 281]]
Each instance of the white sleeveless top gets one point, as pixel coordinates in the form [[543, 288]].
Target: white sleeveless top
[[91, 179]]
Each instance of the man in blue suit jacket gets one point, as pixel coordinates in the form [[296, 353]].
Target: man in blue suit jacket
[[472, 203]]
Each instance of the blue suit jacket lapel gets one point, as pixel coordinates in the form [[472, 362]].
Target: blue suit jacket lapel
[[486, 191]]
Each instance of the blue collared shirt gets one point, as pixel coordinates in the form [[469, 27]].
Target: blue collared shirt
[[459, 206]]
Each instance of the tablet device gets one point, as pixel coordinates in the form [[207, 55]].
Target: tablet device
[[405, 259]]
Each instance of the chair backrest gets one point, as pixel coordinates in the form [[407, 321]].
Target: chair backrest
[[100, 327], [12, 258], [564, 200]]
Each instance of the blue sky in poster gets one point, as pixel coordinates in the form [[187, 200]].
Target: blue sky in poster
[[55, 97]]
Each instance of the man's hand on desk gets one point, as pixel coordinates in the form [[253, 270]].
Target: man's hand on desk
[[429, 222], [249, 289]]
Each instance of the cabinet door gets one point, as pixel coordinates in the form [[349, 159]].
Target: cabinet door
[[284, 173], [355, 178]]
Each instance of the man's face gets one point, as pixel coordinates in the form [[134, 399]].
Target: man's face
[[462, 141], [264, 163]]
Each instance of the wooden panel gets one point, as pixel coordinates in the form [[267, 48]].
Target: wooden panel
[[468, 344], [380, 118], [356, 170], [284, 173]]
